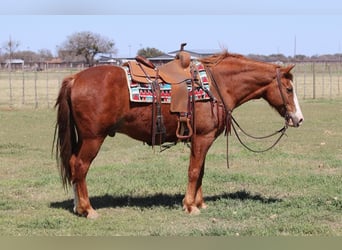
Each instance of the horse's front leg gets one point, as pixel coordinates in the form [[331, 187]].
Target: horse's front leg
[[193, 199]]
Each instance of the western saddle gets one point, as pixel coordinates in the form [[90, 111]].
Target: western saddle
[[178, 74]]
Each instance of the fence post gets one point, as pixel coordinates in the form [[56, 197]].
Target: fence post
[[47, 87], [330, 79], [338, 77], [23, 89], [323, 83], [10, 85], [35, 90], [305, 65], [313, 81]]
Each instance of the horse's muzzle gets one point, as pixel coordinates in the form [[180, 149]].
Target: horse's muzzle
[[294, 120]]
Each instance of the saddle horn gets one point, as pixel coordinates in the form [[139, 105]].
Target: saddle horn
[[182, 46], [183, 56]]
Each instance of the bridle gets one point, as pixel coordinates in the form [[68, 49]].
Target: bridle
[[286, 116], [231, 122], [280, 131]]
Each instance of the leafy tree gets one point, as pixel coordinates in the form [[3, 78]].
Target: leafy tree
[[86, 44], [150, 52]]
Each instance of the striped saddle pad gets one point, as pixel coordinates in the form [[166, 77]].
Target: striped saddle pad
[[142, 92]]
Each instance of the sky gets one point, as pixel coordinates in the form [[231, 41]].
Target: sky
[[241, 26]]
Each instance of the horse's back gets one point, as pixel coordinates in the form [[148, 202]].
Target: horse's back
[[100, 76], [99, 82], [99, 96]]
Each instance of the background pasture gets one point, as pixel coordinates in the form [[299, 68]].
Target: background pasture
[[295, 189], [27, 89]]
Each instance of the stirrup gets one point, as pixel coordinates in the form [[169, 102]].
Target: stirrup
[[180, 129]]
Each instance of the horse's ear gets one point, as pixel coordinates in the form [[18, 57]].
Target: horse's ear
[[288, 68]]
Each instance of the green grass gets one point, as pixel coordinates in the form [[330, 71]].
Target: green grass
[[294, 189]]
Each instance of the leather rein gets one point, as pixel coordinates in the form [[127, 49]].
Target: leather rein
[[231, 122]]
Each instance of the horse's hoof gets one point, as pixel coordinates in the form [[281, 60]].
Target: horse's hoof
[[192, 210], [203, 205], [89, 214], [92, 214]]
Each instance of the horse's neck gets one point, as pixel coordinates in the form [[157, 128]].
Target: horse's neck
[[239, 83]]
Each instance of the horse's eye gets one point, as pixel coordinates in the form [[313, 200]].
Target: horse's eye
[[289, 90]]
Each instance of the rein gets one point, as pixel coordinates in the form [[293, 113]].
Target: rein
[[231, 122], [281, 131]]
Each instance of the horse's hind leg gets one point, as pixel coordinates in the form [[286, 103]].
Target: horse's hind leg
[[80, 164]]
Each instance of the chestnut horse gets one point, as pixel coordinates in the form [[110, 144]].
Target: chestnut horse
[[95, 103]]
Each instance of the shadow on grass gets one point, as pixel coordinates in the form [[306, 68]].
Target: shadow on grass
[[164, 200]]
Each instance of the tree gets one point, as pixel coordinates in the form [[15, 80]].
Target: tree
[[10, 47], [87, 44], [45, 54], [150, 52], [27, 55]]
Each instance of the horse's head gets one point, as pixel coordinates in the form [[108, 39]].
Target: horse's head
[[281, 95], [238, 79]]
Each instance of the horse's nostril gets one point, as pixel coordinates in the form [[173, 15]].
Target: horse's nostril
[[300, 121]]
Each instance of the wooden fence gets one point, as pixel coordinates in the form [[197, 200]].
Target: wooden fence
[[27, 89]]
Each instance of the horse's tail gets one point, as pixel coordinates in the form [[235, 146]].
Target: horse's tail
[[65, 130]]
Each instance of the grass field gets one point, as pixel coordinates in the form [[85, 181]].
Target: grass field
[[294, 189]]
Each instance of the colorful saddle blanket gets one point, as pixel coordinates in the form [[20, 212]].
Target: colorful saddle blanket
[[142, 92]]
